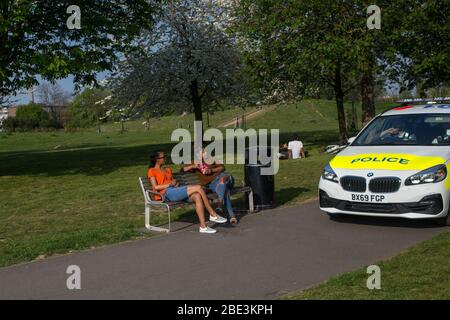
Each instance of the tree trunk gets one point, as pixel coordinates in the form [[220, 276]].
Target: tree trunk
[[196, 101], [339, 96], [421, 90], [99, 129], [367, 95]]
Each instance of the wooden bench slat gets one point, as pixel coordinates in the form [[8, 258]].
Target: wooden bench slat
[[241, 189]]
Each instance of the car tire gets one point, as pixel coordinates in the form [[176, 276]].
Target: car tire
[[335, 216], [445, 221]]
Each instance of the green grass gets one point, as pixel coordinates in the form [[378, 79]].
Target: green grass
[[422, 272], [63, 191], [160, 130]]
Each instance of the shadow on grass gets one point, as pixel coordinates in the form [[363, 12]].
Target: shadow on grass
[[388, 222], [103, 160], [95, 161]]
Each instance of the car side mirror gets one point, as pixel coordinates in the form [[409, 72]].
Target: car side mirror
[[350, 140]]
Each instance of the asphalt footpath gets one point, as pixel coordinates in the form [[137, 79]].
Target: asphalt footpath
[[266, 255]]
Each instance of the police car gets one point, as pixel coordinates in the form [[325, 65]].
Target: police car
[[397, 166]]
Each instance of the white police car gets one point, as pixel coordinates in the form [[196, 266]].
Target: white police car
[[397, 166]]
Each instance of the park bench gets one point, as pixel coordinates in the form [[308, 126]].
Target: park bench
[[152, 205]]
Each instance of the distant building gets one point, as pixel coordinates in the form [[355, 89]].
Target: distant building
[[12, 112], [3, 113], [3, 116]]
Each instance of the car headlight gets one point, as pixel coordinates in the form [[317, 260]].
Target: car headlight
[[329, 174], [431, 175]]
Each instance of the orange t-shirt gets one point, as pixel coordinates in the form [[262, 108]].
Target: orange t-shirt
[[162, 176]]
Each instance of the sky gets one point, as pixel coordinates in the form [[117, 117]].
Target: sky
[[66, 84]]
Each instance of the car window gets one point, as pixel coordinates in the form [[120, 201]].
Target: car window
[[412, 129]]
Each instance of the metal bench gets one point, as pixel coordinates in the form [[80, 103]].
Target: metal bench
[[162, 206]]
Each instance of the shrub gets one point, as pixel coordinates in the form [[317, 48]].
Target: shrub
[[84, 111], [29, 117], [9, 124]]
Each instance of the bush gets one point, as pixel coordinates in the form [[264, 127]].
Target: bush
[[29, 117], [84, 110], [80, 117], [9, 124]]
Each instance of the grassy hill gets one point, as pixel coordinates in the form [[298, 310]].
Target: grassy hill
[[63, 191]]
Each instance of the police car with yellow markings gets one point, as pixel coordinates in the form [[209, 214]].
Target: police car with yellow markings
[[397, 166]]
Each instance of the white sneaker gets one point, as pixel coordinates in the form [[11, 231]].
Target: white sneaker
[[207, 230], [217, 219]]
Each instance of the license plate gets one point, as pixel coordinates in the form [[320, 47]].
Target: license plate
[[368, 197]]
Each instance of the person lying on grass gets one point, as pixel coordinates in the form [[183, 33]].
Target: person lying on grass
[[214, 177], [163, 182]]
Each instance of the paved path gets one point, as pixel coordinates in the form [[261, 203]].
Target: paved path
[[267, 255], [248, 116]]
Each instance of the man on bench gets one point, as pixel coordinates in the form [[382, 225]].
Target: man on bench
[[214, 177]]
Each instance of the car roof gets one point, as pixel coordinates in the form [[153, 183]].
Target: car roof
[[418, 109]]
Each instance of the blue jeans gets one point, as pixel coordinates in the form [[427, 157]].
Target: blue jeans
[[223, 191]]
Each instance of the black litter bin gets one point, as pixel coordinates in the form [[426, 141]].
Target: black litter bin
[[263, 186]]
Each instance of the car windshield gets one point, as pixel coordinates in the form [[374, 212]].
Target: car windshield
[[410, 129]]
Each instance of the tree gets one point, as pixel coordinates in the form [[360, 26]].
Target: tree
[[190, 62], [373, 47], [90, 107], [309, 43], [6, 101], [35, 39], [53, 97], [52, 94], [119, 115], [420, 31]]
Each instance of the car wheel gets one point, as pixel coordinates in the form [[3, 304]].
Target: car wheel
[[335, 216], [445, 221]]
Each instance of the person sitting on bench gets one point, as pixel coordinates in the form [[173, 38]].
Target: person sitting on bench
[[163, 182], [214, 177]]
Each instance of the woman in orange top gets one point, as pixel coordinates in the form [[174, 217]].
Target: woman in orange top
[[162, 181]]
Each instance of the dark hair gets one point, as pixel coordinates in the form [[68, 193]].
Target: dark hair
[[296, 137], [153, 157]]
